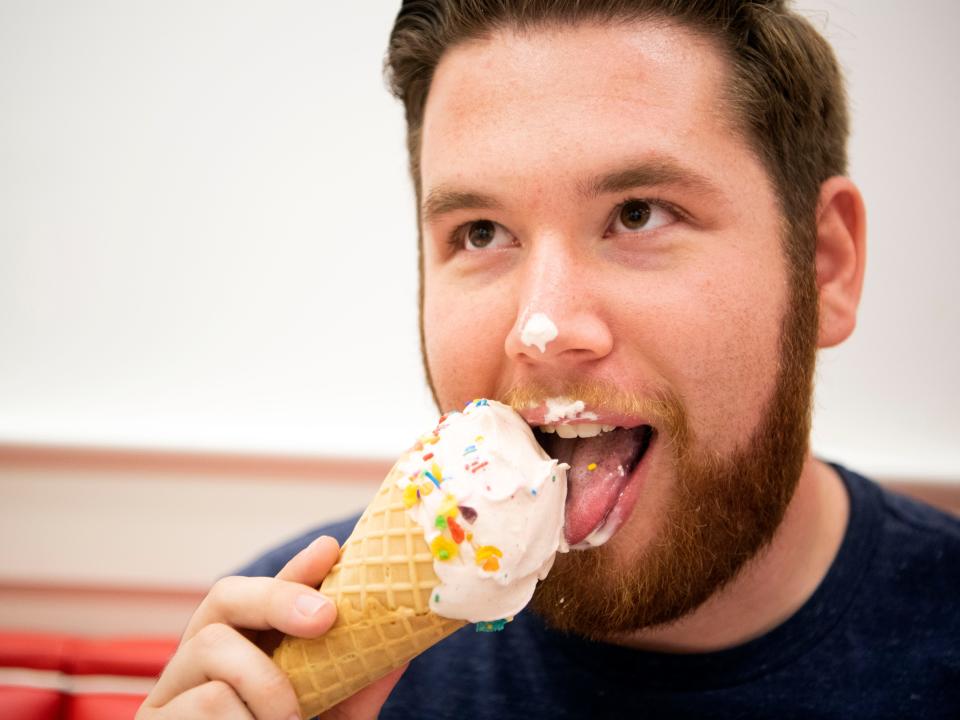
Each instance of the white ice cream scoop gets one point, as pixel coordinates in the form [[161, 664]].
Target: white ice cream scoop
[[490, 502]]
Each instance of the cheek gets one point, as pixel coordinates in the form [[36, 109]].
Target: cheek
[[724, 342], [741, 376], [464, 345]]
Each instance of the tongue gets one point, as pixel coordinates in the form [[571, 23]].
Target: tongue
[[591, 494]]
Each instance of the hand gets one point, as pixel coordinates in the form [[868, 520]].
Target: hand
[[220, 669]]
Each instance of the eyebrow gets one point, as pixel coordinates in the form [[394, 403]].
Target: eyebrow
[[658, 170], [442, 200], [655, 171]]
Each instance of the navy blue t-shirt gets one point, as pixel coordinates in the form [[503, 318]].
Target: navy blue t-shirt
[[880, 638]]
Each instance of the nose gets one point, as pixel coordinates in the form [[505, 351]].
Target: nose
[[560, 318]]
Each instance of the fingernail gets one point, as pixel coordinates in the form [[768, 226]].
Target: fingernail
[[295, 717], [309, 604]]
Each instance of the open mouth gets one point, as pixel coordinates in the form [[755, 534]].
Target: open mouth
[[602, 483]]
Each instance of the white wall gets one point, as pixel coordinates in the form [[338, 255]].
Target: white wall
[[207, 235]]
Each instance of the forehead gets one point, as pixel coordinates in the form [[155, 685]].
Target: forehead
[[547, 99]]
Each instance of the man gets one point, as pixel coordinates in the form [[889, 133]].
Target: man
[[663, 182]]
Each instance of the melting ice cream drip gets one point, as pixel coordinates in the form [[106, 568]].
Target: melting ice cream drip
[[562, 408], [538, 330]]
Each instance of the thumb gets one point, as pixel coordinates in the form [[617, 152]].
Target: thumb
[[366, 704]]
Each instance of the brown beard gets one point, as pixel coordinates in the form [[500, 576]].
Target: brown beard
[[723, 512]]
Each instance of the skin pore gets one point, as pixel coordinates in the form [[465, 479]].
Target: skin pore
[[592, 174]]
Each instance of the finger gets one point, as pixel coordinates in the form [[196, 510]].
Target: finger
[[366, 704], [214, 699], [262, 603], [220, 653], [311, 565]]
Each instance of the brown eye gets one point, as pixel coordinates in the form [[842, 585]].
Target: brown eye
[[634, 214], [481, 233]]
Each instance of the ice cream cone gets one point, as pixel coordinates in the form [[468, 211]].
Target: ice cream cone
[[381, 586]]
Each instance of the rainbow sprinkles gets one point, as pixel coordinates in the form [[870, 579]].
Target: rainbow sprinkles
[[486, 496]]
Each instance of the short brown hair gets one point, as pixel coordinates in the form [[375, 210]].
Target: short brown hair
[[786, 87]]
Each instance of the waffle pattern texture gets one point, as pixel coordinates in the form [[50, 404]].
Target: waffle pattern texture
[[381, 586]]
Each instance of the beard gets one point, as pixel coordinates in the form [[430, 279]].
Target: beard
[[724, 510]]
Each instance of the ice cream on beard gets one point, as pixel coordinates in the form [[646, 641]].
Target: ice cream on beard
[[490, 502]]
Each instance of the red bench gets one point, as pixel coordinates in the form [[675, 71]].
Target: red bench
[[48, 676]]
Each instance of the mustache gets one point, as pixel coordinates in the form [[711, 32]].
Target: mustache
[[661, 406]]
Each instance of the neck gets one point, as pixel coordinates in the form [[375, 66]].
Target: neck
[[773, 585]]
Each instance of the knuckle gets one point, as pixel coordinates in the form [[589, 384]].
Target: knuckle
[[216, 598], [215, 697], [223, 588], [214, 635]]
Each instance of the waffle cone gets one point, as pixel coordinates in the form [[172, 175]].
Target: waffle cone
[[381, 586]]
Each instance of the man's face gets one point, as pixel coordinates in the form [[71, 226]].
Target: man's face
[[592, 175]]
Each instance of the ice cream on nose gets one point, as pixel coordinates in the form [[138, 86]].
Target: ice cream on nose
[[538, 330]]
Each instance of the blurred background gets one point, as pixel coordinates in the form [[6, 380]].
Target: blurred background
[[208, 285]]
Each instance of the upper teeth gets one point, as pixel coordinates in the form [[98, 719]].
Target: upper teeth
[[584, 430]]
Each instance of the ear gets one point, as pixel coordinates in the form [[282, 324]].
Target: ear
[[840, 258]]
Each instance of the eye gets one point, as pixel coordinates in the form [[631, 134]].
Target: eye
[[637, 215], [481, 235]]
